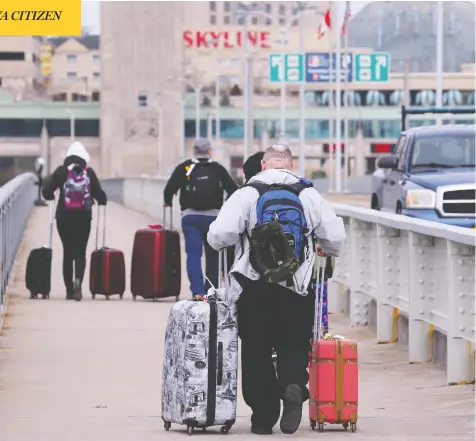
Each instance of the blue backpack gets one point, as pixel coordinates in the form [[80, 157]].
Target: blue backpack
[[278, 239]]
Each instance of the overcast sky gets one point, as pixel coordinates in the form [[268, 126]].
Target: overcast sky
[[90, 14]]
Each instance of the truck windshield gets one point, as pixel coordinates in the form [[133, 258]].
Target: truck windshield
[[444, 151]]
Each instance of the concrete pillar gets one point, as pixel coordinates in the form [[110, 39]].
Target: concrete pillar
[[138, 60]]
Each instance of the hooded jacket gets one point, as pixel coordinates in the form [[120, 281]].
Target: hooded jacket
[[239, 212], [76, 155]]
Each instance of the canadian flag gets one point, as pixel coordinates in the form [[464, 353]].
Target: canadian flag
[[325, 25]]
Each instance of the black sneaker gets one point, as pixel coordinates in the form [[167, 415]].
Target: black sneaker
[[77, 293], [292, 409], [261, 430]]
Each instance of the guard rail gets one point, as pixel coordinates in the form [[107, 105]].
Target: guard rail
[[392, 267], [16, 202]]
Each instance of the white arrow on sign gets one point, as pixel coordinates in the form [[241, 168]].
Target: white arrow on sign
[[380, 62], [276, 61]]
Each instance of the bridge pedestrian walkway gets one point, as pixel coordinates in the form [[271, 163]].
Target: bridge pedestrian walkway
[[91, 371]]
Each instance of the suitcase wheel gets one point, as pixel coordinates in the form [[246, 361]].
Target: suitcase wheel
[[320, 427], [134, 297], [167, 425], [353, 427], [190, 430], [46, 296], [177, 298], [313, 425], [121, 296], [93, 296], [107, 297], [225, 429], [33, 295]]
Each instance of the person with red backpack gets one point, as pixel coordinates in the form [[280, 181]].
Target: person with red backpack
[[79, 187]]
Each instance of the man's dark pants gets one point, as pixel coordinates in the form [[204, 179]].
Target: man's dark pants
[[195, 229], [271, 316]]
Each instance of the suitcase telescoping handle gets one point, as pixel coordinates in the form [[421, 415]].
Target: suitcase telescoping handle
[[164, 218], [51, 222], [320, 270], [223, 270], [103, 226]]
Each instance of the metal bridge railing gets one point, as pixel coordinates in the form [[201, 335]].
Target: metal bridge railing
[[16, 202], [394, 271]]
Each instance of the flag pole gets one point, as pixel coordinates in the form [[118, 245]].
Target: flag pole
[[331, 106], [346, 112], [338, 161]]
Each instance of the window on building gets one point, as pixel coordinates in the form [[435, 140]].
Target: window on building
[[254, 20], [71, 58], [35, 59], [96, 59], [268, 21], [96, 96], [96, 75], [78, 97], [282, 9], [227, 6], [142, 99], [213, 19], [72, 75], [213, 6], [241, 20], [12, 56], [282, 21], [60, 97], [226, 19], [268, 8]]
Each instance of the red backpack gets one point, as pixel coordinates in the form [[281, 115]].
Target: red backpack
[[77, 189]]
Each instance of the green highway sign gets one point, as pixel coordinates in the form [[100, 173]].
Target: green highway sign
[[293, 68], [373, 67]]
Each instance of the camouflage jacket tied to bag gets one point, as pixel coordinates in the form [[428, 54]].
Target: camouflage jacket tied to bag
[[272, 256]]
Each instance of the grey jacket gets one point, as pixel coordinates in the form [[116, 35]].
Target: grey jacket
[[239, 212]]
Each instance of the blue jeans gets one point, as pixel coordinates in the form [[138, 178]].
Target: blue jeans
[[195, 228]]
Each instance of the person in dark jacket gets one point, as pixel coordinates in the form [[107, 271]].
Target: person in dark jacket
[[201, 183], [73, 223], [252, 166]]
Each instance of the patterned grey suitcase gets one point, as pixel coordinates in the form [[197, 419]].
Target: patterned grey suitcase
[[199, 387]]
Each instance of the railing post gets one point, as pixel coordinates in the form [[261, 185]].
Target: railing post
[[360, 246], [461, 329], [388, 256], [420, 339], [341, 279]]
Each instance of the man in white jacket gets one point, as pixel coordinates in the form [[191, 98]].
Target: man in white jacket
[[270, 314]]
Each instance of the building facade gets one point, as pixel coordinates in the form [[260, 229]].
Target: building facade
[[75, 69], [141, 51], [20, 67]]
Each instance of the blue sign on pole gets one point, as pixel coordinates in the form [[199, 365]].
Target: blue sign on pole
[[318, 64]]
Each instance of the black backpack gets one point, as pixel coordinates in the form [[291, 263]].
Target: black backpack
[[203, 185]]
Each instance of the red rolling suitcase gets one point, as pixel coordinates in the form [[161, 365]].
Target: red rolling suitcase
[[156, 263], [333, 375], [107, 272]]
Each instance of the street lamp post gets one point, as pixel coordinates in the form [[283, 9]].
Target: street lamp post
[[197, 92], [440, 30], [282, 75]]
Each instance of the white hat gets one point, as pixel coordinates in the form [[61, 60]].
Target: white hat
[[78, 149]]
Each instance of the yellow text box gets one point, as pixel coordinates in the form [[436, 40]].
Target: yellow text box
[[40, 17]]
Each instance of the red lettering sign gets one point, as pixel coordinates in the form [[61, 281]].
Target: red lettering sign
[[227, 39]]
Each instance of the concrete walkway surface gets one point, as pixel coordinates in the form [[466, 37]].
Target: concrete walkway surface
[[91, 371]]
